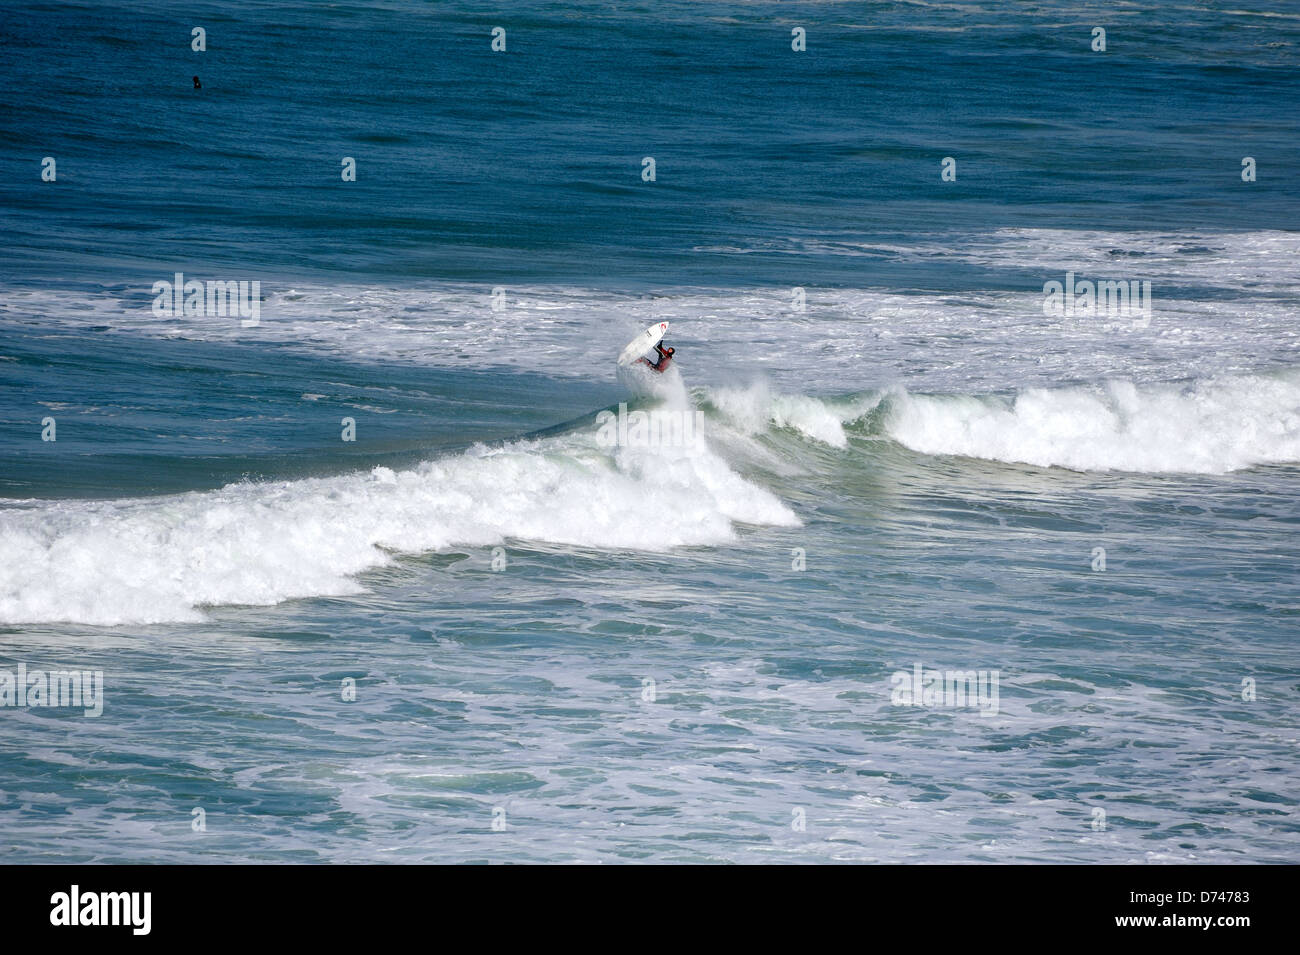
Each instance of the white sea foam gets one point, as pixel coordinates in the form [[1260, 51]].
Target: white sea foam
[[756, 408], [844, 340], [1249, 260], [1210, 426], [164, 559]]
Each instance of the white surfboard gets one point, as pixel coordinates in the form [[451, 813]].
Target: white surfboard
[[647, 340]]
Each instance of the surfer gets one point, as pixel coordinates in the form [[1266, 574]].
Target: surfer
[[665, 358]]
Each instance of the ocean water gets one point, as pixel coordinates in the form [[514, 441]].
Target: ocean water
[[477, 632]]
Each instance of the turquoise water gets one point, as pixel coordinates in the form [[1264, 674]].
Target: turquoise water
[[477, 633]]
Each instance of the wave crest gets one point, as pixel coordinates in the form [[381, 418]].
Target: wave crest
[[164, 559], [1210, 426]]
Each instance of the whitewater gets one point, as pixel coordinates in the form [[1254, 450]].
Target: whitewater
[[154, 560]]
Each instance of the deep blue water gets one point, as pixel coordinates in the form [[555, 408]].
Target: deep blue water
[[525, 166]]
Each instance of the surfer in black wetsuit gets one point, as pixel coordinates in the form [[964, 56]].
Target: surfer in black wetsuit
[[665, 359]]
